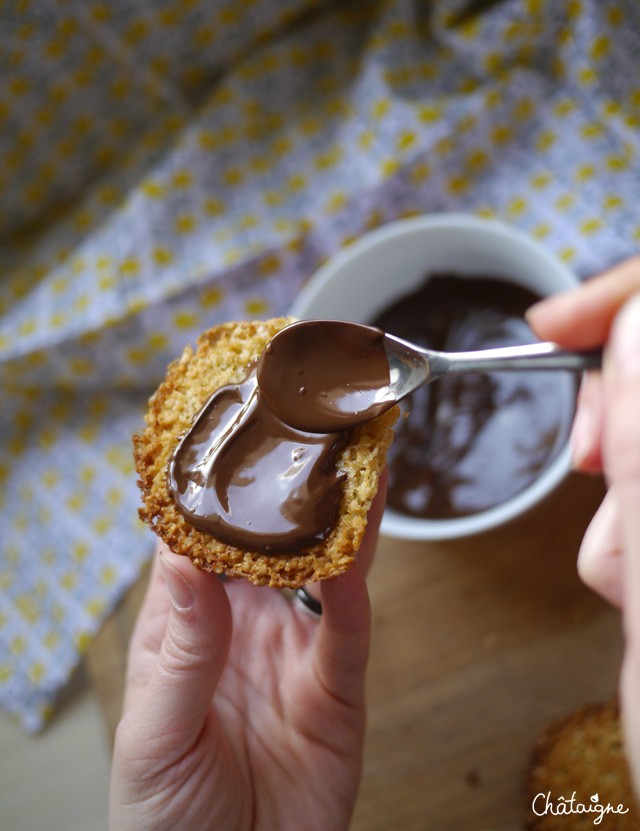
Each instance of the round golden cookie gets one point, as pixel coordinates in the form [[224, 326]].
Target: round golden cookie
[[582, 753], [222, 356]]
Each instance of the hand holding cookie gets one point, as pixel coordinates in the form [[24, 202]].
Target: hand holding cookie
[[244, 707], [242, 711]]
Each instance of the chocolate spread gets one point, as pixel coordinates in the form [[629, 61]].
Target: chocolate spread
[[252, 481], [322, 375], [469, 442]]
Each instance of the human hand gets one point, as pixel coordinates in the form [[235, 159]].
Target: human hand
[[242, 711], [584, 318], [606, 438]]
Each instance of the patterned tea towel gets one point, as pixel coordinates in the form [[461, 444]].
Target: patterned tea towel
[[169, 164]]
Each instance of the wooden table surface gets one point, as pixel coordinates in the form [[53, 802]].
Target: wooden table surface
[[477, 646]]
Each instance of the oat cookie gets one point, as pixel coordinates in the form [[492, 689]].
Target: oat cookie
[[222, 357]]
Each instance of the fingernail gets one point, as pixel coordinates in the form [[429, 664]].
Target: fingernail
[[540, 310], [180, 591], [625, 344]]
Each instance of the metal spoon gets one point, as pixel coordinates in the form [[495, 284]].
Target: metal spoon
[[326, 375], [410, 366]]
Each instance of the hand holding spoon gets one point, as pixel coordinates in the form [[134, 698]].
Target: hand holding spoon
[[327, 375]]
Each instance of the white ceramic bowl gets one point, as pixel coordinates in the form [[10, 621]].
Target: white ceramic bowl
[[367, 276]]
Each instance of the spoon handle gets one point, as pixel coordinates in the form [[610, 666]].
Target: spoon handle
[[529, 356]]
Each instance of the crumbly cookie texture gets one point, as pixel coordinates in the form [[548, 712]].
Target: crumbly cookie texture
[[222, 357], [582, 753]]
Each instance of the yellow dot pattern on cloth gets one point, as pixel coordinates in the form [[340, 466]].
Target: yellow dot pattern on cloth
[[164, 167]]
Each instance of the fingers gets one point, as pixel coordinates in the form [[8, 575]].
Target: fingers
[[599, 560], [148, 631], [344, 632], [581, 318], [172, 703], [586, 433], [367, 549], [599, 563], [151, 621], [369, 543], [342, 648]]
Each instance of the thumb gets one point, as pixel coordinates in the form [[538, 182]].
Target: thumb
[[622, 446], [192, 654]]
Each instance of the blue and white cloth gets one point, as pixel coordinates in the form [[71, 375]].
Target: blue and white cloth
[[169, 164]]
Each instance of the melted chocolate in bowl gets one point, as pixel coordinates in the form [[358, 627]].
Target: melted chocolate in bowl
[[470, 442]]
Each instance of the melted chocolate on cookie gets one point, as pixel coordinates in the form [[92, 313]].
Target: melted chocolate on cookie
[[252, 481]]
